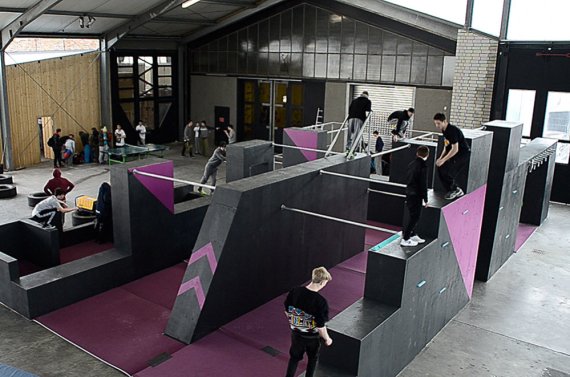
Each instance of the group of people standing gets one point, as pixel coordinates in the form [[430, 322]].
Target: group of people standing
[[197, 140], [95, 144]]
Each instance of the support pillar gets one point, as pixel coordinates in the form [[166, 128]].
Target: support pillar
[[105, 85], [183, 89], [5, 129]]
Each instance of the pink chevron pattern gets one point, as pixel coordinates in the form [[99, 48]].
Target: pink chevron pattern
[[195, 284], [304, 138], [208, 252]]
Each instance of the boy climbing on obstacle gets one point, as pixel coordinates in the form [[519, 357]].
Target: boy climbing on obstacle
[[211, 169], [416, 196]]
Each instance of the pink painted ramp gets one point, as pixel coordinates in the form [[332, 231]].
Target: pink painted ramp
[[464, 217], [161, 189], [524, 232], [306, 139]]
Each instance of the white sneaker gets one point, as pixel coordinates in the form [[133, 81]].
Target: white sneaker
[[459, 193], [417, 239], [450, 195], [408, 242]]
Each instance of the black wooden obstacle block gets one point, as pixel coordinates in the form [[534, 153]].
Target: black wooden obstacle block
[[248, 158], [505, 189], [540, 157], [400, 160], [475, 173], [506, 147], [255, 241], [385, 208], [293, 156]]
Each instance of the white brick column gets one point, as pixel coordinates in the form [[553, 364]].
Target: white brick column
[[473, 79]]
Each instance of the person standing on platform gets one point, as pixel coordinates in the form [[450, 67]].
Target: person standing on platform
[[308, 312], [211, 169], [55, 144], [402, 120], [120, 137], [58, 182], [416, 196], [189, 136], [453, 158], [357, 113], [50, 211], [141, 131]]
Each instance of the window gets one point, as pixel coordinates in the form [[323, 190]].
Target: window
[[520, 106], [557, 123]]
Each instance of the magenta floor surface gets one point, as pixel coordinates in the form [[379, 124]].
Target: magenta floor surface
[[124, 327], [523, 234]]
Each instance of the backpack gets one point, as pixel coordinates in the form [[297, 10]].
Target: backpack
[[51, 142]]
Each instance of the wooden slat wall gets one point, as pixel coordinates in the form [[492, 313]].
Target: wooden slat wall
[[71, 81]]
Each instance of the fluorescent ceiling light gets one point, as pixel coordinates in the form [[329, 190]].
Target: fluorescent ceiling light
[[189, 3]]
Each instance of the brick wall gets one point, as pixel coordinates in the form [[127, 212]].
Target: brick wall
[[473, 80]]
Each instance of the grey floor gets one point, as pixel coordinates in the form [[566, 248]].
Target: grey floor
[[517, 324]]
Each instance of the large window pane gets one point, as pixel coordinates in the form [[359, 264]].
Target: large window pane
[[487, 16], [520, 106], [557, 119], [451, 10], [544, 20]]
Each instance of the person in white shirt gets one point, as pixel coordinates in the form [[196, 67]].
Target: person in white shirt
[[120, 136], [197, 138], [141, 129], [69, 150], [49, 212]]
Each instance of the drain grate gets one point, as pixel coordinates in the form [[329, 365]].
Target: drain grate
[[161, 358], [270, 350], [549, 372]]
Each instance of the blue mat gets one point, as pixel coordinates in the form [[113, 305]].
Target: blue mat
[[7, 371]]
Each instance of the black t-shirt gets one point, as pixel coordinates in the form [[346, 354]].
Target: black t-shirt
[[452, 135], [307, 310]]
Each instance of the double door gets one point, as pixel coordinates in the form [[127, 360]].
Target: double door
[[268, 107]]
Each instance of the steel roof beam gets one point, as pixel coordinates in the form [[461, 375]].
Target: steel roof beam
[[15, 27], [116, 34]]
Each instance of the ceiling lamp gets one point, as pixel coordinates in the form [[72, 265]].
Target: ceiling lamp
[[189, 3]]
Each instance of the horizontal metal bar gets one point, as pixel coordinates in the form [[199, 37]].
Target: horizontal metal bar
[[391, 150], [303, 148], [284, 207], [421, 136], [135, 171], [361, 178], [386, 193], [340, 129]]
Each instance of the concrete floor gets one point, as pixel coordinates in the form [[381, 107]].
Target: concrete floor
[[517, 324]]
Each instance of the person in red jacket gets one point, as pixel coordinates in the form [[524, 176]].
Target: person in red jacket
[[58, 182]]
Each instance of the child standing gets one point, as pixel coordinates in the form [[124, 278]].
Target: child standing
[[416, 196]]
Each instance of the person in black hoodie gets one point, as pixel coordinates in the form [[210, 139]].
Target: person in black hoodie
[[402, 119], [416, 196]]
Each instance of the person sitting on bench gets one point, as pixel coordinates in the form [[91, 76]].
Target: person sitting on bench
[[49, 212]]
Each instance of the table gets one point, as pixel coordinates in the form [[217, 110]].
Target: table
[[129, 152]]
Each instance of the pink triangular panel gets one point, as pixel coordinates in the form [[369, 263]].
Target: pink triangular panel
[[464, 218], [306, 139], [163, 190]]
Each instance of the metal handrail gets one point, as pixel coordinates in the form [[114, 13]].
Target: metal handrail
[[135, 171], [284, 207], [356, 141], [342, 126]]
